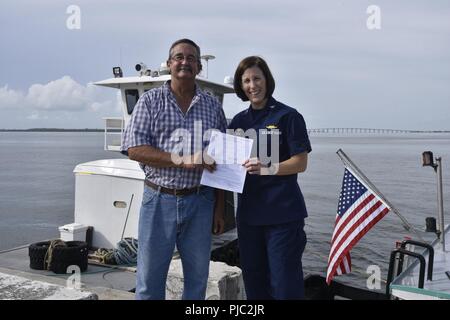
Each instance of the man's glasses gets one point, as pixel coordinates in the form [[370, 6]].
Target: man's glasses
[[180, 57]]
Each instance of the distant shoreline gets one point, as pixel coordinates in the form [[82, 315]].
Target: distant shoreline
[[51, 130], [310, 131]]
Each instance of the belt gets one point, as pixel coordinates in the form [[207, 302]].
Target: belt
[[175, 192]]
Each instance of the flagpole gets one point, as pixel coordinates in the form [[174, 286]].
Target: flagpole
[[346, 160]]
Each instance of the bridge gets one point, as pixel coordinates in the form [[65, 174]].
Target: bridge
[[371, 130]]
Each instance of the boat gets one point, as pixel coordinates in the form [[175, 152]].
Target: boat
[[417, 271]]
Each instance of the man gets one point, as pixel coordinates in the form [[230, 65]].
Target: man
[[175, 209]]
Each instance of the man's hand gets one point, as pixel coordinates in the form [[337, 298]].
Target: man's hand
[[199, 161], [219, 209], [219, 222]]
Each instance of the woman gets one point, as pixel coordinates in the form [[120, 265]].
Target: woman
[[271, 209]]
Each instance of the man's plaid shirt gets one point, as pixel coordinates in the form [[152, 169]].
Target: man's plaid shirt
[[156, 121]]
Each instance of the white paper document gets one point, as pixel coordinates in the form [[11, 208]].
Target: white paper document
[[229, 152]]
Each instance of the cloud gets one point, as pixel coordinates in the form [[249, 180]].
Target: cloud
[[61, 94], [64, 94], [37, 116], [9, 98]]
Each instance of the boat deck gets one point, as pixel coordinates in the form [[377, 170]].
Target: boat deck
[[406, 285]]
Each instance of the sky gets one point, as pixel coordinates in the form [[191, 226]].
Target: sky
[[339, 63]]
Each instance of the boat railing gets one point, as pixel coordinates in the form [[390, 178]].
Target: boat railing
[[430, 256], [392, 268], [114, 128]]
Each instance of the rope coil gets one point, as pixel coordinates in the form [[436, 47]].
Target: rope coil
[[125, 253]]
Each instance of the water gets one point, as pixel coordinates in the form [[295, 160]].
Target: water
[[37, 184], [37, 188]]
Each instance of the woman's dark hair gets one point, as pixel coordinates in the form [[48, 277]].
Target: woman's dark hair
[[190, 42], [249, 62]]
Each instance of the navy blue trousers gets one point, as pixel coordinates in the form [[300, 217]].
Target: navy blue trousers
[[271, 260]]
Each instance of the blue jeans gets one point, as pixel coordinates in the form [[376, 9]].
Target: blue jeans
[[165, 221]]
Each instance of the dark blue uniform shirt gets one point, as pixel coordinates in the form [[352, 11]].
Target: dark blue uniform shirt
[[272, 199]]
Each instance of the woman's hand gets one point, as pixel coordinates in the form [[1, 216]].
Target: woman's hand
[[293, 165], [253, 166]]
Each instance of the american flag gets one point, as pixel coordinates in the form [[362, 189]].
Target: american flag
[[359, 209]]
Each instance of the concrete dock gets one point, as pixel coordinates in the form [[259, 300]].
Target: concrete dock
[[19, 282]]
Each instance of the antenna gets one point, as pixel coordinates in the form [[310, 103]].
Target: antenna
[[120, 56], [207, 57]]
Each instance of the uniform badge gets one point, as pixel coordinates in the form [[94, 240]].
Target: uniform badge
[[271, 129]]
